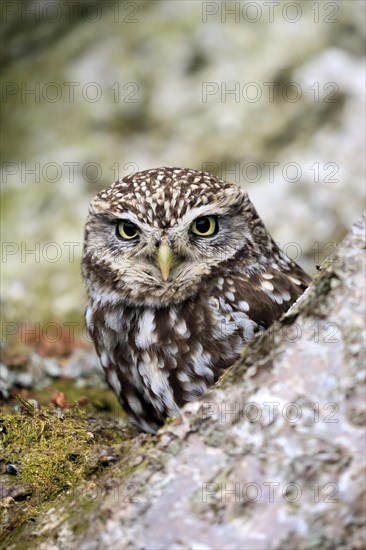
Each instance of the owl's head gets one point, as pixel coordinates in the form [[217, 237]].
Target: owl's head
[[156, 236]]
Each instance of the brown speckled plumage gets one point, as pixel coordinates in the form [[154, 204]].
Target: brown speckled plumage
[[163, 342]]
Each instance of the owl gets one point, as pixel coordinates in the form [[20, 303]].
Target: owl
[[180, 272]]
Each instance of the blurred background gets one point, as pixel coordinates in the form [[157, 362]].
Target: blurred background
[[267, 94]]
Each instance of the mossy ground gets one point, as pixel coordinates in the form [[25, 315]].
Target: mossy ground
[[63, 454]]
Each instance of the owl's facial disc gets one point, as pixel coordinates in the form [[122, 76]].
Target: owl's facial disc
[[159, 235], [172, 260]]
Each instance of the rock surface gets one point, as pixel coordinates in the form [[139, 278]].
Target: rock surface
[[274, 456]]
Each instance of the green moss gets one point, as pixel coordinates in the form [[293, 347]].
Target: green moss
[[57, 456], [53, 453]]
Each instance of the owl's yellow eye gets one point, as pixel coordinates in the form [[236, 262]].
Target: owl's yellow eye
[[204, 226], [127, 230]]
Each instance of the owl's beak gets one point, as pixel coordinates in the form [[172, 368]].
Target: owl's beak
[[165, 259]]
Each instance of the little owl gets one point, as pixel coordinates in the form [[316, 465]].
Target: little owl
[[180, 272]]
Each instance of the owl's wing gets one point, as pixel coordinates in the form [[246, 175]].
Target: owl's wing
[[270, 294]]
